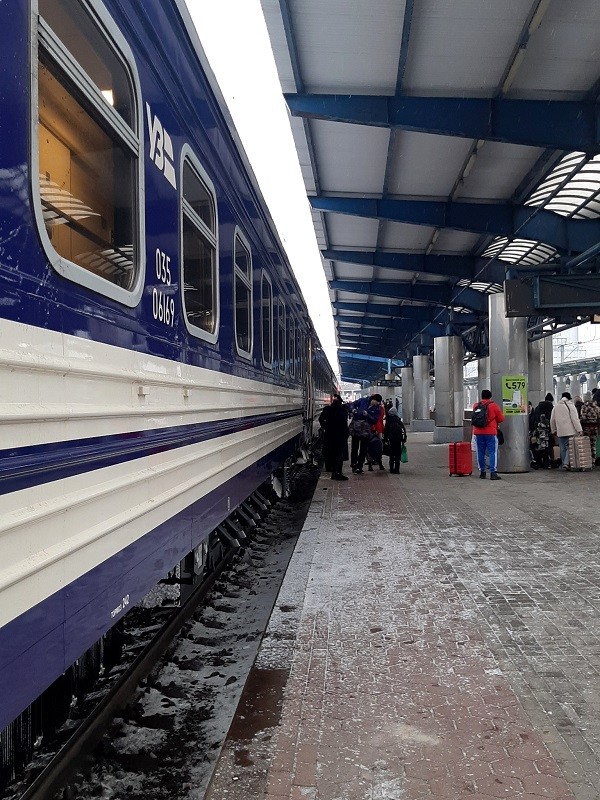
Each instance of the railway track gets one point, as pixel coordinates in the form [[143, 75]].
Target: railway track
[[64, 774]]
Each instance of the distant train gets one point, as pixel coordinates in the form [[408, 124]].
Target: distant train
[[157, 362]]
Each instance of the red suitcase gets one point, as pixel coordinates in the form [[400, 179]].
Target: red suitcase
[[460, 458]]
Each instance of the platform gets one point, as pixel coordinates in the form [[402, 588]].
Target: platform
[[435, 637]]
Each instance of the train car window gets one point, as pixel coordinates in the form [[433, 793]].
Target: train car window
[[88, 154], [200, 278], [242, 295], [266, 319], [281, 335], [292, 346]]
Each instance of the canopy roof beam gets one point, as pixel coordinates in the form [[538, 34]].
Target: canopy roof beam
[[556, 124], [434, 293], [497, 219], [452, 266], [437, 327], [420, 313]]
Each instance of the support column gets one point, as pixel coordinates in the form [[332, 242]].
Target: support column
[[592, 381], [508, 356], [576, 386], [408, 395], [483, 375], [448, 357], [421, 420], [539, 357], [561, 386]]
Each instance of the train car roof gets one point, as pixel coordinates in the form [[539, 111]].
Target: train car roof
[[224, 108]]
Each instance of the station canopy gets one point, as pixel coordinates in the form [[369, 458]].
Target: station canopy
[[446, 145]]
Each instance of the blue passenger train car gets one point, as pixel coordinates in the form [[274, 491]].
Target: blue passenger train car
[[157, 363]]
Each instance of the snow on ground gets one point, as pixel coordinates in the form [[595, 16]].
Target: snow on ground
[[170, 735]]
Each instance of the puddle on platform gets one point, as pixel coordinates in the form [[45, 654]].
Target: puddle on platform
[[260, 705]]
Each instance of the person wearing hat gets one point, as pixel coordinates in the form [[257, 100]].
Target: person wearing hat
[[539, 421], [394, 436]]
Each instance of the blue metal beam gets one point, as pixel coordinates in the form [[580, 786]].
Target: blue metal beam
[[448, 265], [498, 219], [435, 293], [351, 356], [351, 326], [388, 342], [421, 313], [368, 371], [382, 324], [558, 124], [393, 348]]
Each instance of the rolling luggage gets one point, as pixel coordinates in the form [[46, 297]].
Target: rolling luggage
[[580, 453], [460, 458]]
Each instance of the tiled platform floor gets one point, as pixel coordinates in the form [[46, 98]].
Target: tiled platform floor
[[435, 637]]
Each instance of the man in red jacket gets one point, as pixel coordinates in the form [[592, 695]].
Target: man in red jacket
[[487, 436]]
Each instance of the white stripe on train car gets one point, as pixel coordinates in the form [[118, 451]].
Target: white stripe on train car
[[62, 388], [55, 387], [54, 533]]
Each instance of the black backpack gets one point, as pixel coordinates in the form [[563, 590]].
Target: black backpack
[[479, 419]]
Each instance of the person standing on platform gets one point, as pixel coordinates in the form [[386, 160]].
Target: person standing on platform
[[590, 416], [543, 458], [376, 414], [545, 407], [564, 423], [486, 417], [323, 416], [360, 431], [394, 436], [335, 438]]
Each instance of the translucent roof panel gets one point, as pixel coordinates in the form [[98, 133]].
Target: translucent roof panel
[[481, 286], [572, 189], [519, 251]]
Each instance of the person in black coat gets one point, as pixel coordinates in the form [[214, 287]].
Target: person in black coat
[[543, 409], [394, 436], [334, 421]]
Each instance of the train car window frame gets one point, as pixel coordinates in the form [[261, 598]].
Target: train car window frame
[[299, 351], [292, 345], [281, 335], [207, 234], [265, 280], [55, 207], [247, 280]]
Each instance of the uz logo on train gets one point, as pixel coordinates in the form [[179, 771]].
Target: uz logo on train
[[161, 154]]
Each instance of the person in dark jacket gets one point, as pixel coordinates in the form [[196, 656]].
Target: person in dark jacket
[[334, 421], [543, 409], [394, 436], [323, 416], [360, 437]]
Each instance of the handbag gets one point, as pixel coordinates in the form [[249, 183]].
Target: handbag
[[404, 455], [500, 436]]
